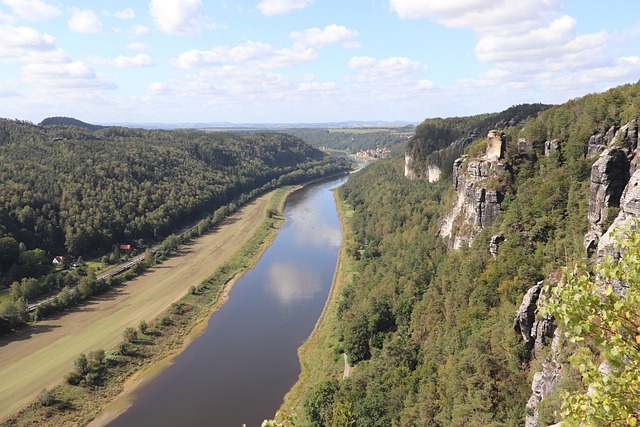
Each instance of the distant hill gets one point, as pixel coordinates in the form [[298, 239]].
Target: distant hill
[[69, 121]]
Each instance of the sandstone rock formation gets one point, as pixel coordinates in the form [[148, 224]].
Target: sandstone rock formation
[[535, 331], [479, 193], [494, 244], [542, 385], [551, 146], [613, 185], [432, 174]]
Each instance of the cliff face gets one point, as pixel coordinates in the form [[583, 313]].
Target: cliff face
[[432, 173], [614, 198], [479, 193]]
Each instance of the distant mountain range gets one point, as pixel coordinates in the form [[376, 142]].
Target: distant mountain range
[[60, 121]]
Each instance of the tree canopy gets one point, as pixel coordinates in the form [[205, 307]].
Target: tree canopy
[[68, 190]]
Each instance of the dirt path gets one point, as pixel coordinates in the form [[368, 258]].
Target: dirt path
[[41, 355]]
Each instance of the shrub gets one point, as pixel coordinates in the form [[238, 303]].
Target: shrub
[[144, 327], [129, 334], [73, 378], [45, 397]]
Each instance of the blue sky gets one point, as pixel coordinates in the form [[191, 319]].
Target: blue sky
[[268, 61]]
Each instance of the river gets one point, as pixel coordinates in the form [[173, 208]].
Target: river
[[238, 371]]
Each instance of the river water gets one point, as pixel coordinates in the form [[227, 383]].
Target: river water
[[238, 371]]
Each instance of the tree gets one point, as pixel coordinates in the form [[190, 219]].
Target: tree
[[319, 402], [9, 252], [81, 364], [593, 315]]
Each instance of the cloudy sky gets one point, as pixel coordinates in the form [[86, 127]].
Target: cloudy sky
[[306, 60]]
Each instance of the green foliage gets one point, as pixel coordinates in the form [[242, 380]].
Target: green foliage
[[431, 330], [69, 190], [592, 316], [319, 403], [89, 371], [81, 364], [45, 397], [129, 334], [144, 327]]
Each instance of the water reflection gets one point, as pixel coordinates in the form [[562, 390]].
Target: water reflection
[[239, 370], [291, 283]]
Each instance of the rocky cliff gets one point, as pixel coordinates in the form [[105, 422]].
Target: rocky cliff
[[614, 203], [614, 198], [537, 332], [479, 184]]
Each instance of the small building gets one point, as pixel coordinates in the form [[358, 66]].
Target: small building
[[125, 248], [58, 261]]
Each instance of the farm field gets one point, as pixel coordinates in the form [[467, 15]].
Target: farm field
[[42, 354]]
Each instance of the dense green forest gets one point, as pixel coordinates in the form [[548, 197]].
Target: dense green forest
[[356, 139], [431, 330], [70, 191]]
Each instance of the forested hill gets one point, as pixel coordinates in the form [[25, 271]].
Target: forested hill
[[69, 121], [430, 329], [68, 190]]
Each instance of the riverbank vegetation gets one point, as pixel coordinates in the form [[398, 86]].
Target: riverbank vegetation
[[91, 386]]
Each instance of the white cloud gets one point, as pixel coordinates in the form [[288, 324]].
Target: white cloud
[[138, 30], [33, 10], [393, 78], [320, 87], [281, 7], [532, 45], [183, 17], [6, 19], [264, 55], [389, 67], [72, 75], [480, 15], [558, 41], [8, 89], [138, 46], [84, 21], [330, 34], [16, 42], [121, 61], [124, 14]]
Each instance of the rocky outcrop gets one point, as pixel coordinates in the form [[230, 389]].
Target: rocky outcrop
[[479, 193], [536, 331], [613, 185], [542, 385], [598, 142], [432, 174], [495, 145], [494, 244], [525, 146], [463, 142], [551, 146]]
